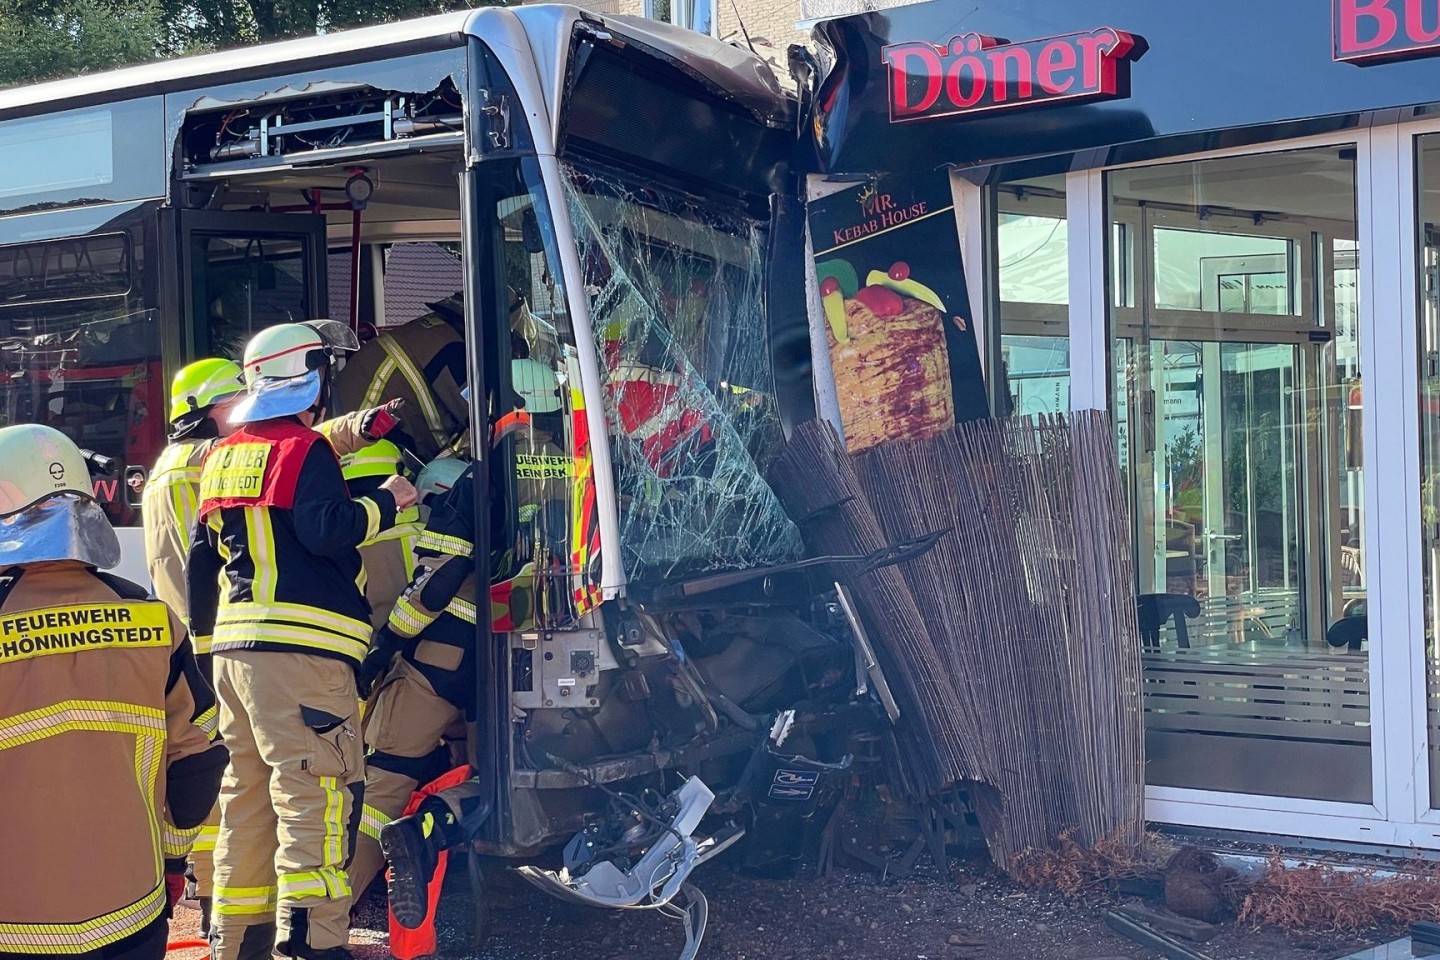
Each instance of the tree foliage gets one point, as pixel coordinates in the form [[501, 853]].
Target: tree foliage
[[39, 40], [44, 39]]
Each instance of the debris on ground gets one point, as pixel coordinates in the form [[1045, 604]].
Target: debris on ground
[[1071, 868], [1317, 896], [1198, 885], [1284, 894]]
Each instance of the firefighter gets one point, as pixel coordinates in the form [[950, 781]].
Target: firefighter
[[388, 556], [425, 694], [201, 396], [287, 635], [104, 751], [422, 361]]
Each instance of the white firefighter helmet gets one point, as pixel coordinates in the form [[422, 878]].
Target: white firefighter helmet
[[47, 503], [285, 367]]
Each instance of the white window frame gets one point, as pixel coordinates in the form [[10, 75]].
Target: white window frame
[[680, 11]]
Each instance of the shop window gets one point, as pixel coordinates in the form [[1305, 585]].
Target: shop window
[[1428, 200], [1032, 275], [1237, 394], [81, 352], [697, 15]]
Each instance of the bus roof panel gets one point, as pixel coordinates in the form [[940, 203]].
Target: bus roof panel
[[737, 72]]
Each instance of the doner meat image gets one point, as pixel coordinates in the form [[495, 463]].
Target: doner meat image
[[892, 370]]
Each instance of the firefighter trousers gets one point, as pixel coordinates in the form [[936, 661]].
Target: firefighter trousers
[[200, 866], [402, 731], [289, 804]]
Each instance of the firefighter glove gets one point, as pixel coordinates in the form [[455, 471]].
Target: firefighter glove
[[381, 421], [175, 881], [377, 661]]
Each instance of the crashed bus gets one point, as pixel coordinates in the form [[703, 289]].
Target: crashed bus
[[657, 649]]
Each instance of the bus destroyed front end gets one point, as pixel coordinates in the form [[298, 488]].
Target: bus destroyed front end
[[721, 698], [725, 682]]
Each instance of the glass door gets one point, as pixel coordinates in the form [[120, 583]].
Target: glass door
[[1428, 163], [247, 271], [1236, 372]]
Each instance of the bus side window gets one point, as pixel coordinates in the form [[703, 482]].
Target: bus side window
[[81, 353]]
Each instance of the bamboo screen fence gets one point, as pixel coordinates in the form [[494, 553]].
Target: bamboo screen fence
[[1012, 644]]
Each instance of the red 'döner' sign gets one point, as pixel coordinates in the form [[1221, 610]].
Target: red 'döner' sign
[[1385, 29], [974, 72]]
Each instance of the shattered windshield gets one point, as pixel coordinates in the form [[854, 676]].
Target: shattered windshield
[[676, 304]]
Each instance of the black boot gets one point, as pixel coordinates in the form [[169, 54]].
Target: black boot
[[413, 845], [205, 904], [296, 945]]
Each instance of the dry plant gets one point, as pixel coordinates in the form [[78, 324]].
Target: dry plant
[[1320, 897], [1291, 897], [1071, 868]]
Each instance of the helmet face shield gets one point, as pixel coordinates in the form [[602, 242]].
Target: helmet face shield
[[271, 397], [338, 337], [64, 527], [437, 477]]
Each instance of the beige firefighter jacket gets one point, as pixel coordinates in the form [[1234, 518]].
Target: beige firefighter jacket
[[422, 361], [104, 724]]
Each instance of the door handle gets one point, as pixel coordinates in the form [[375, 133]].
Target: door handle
[[1222, 536]]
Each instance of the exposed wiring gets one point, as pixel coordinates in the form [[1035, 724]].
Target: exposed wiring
[[644, 814]]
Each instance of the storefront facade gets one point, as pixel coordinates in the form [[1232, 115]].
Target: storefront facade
[[1221, 223]]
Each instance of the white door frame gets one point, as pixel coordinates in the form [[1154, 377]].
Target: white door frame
[[1386, 225]]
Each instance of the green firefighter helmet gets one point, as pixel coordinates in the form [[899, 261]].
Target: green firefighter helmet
[[380, 459], [203, 384]]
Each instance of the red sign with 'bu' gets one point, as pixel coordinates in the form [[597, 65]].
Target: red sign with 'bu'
[[973, 72], [1386, 29]]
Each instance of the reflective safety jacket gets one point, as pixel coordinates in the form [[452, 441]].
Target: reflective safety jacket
[[388, 557], [422, 361], [105, 724], [438, 606], [171, 504], [276, 516]]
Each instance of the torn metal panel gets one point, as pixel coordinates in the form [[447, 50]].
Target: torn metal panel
[[417, 74], [675, 296]]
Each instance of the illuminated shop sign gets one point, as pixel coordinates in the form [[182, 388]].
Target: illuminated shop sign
[[974, 72], [1368, 30]]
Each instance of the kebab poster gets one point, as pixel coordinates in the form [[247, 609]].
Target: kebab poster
[[896, 312]]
